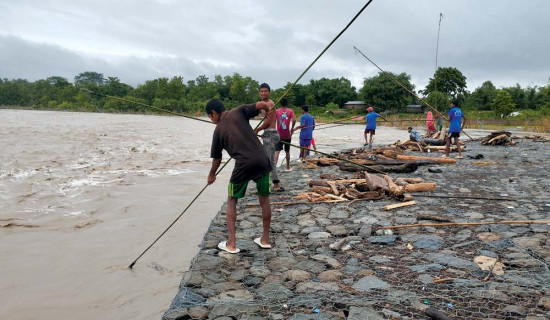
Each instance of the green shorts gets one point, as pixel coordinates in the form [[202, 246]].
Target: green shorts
[[263, 186]]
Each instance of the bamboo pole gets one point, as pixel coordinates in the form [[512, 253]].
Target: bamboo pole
[[464, 224], [462, 197]]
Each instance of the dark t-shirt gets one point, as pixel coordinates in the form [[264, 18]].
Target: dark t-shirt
[[235, 135]]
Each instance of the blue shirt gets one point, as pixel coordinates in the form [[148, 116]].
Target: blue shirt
[[371, 120], [415, 136], [456, 119], [307, 121]]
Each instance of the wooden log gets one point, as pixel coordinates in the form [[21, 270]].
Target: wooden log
[[416, 187], [321, 190], [394, 188], [434, 142], [401, 182], [345, 181], [502, 136], [332, 186], [441, 160], [320, 183], [412, 180], [375, 182], [399, 205], [436, 314], [438, 148], [404, 168]]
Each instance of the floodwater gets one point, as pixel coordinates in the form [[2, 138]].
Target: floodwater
[[83, 194]]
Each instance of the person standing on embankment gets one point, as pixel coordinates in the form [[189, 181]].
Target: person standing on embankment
[[455, 127], [271, 135], [284, 117], [234, 134]]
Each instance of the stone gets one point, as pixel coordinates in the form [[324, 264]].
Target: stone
[[328, 260], [330, 276], [245, 224], [452, 261], [308, 230], [514, 311], [306, 287], [544, 302], [310, 266], [297, 275], [488, 236], [426, 267], [528, 242], [385, 240], [338, 214], [357, 313], [430, 242], [370, 283], [337, 230], [260, 271], [318, 235], [274, 291], [365, 231], [425, 279], [281, 263], [175, 314], [186, 297], [198, 312], [232, 296]]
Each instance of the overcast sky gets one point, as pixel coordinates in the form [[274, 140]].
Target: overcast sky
[[504, 41]]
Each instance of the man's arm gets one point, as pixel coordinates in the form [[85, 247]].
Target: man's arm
[[215, 165], [463, 123], [270, 115], [293, 122]]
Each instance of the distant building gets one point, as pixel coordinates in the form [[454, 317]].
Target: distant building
[[414, 108], [355, 105]]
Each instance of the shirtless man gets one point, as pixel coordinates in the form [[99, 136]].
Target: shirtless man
[[270, 135]]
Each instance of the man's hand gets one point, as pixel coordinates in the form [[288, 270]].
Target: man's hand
[[211, 178]]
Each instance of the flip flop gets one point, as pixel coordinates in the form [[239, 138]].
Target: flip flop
[[288, 170], [281, 189], [258, 241], [223, 246], [459, 157]]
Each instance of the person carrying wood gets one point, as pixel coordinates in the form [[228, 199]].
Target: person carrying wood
[[234, 134], [455, 127]]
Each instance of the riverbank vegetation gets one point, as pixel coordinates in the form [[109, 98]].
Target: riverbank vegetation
[[485, 106]]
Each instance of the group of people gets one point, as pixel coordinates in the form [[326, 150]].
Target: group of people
[[253, 161], [456, 119], [258, 163]]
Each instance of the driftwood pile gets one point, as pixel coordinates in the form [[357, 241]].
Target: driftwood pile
[[431, 142], [363, 186], [388, 159], [499, 138]]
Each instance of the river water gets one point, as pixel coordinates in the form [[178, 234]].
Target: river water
[[83, 194]]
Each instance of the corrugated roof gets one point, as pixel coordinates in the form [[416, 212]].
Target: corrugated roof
[[355, 102]]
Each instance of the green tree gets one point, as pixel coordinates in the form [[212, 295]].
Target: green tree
[[503, 104], [482, 97], [518, 96], [114, 87], [89, 77], [383, 92], [449, 80], [439, 99], [338, 90]]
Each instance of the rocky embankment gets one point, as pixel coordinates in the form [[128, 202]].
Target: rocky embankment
[[332, 261]]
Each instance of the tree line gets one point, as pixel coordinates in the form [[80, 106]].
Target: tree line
[[174, 94]]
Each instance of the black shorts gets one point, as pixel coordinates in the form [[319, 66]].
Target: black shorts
[[453, 134], [280, 145]]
